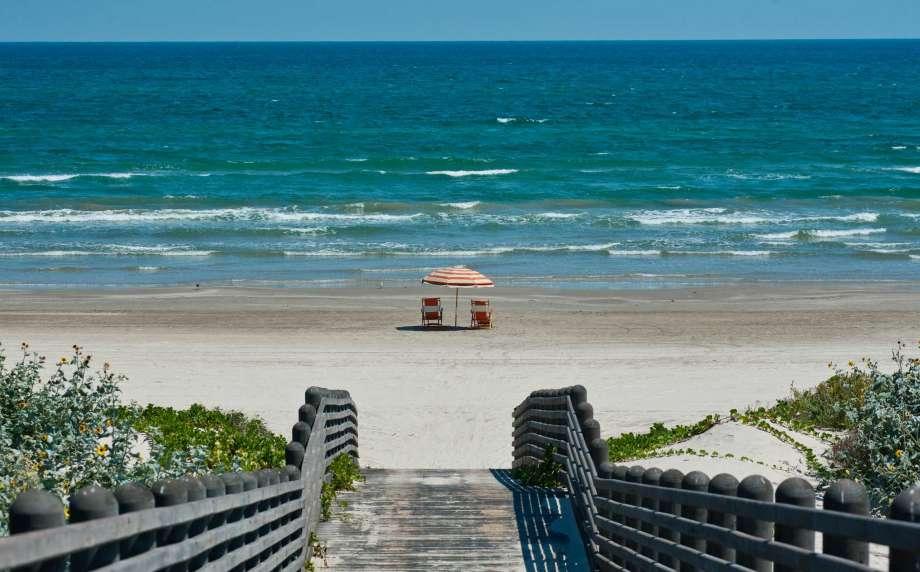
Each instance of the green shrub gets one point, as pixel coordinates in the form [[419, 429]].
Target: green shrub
[[826, 406], [630, 446], [547, 474], [343, 472], [230, 439], [882, 449], [70, 430]]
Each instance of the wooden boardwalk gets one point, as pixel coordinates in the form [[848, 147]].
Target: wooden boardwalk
[[448, 520]]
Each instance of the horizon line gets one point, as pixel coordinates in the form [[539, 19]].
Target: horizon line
[[455, 41]]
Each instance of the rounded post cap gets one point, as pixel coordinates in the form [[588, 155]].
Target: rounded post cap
[[250, 482], [619, 472], [233, 482], [724, 484], [169, 492], [672, 478], [292, 472], [796, 491], [133, 497], [652, 476], [845, 495], [92, 502], [578, 393], [906, 506], [756, 487], [196, 489], [214, 486], [35, 509], [634, 474], [695, 481]]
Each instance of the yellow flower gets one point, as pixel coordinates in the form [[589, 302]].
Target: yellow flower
[[83, 427], [851, 363], [62, 361], [898, 453], [102, 450]]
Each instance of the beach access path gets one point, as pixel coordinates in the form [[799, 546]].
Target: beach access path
[[443, 399]]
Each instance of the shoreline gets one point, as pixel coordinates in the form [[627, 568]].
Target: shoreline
[[436, 399]]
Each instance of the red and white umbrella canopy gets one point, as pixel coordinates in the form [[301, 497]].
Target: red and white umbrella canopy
[[458, 277]]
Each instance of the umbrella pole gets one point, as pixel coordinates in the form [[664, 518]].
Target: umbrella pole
[[456, 306]]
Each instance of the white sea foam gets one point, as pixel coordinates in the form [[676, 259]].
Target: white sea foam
[[463, 205], [766, 176], [723, 216], [356, 159], [634, 252], [50, 253], [312, 231], [148, 268], [898, 147], [59, 177], [809, 234], [696, 216], [845, 233], [483, 173], [504, 120], [556, 216], [39, 178], [161, 215], [914, 170]]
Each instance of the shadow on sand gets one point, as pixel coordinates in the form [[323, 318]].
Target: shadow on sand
[[546, 524], [433, 328]]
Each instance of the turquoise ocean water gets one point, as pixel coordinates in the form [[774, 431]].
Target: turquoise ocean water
[[570, 164]]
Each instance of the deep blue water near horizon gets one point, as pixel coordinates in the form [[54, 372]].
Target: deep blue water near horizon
[[593, 164]]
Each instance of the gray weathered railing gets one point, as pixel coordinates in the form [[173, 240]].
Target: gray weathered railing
[[234, 521], [647, 519]]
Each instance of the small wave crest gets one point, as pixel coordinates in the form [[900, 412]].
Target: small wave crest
[[482, 173], [462, 205], [819, 234], [57, 178]]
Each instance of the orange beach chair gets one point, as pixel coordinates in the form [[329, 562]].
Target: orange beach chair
[[481, 314], [432, 312]]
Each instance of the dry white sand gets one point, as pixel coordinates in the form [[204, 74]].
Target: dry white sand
[[443, 399]]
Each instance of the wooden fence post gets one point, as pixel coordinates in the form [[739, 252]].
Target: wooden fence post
[[849, 497], [633, 475], [694, 481], [33, 510], [133, 497], [797, 492], [755, 487], [234, 485], [214, 486], [90, 503], [650, 477], [726, 485], [618, 473], [196, 492], [171, 492], [671, 479], [905, 506]]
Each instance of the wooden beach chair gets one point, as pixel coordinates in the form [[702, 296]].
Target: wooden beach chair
[[481, 314], [432, 312]]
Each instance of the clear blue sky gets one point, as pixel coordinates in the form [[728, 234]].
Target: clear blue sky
[[145, 20]]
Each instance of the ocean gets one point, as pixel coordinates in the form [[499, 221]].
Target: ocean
[[570, 164]]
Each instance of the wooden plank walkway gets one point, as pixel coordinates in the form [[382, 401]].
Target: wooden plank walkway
[[448, 520]]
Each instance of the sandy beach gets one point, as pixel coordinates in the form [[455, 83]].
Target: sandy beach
[[437, 399]]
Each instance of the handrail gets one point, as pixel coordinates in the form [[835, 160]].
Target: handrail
[[261, 519], [645, 519]]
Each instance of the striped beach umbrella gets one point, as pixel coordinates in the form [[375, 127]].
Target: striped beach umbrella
[[458, 277]]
